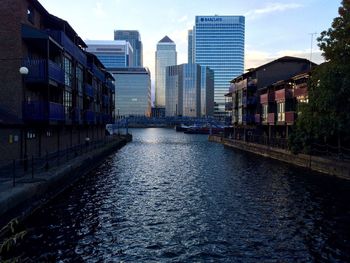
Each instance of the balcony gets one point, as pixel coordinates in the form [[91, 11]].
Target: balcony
[[89, 117], [300, 92], [110, 85], [97, 72], [105, 100], [68, 45], [43, 70], [271, 118], [257, 118], [43, 111], [228, 106], [89, 90], [267, 97], [290, 117], [248, 118], [283, 94], [252, 100]]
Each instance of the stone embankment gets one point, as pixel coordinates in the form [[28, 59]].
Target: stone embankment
[[333, 167], [30, 194]]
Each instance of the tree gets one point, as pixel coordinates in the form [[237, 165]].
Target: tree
[[326, 118]]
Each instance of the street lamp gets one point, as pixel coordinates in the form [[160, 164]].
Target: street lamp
[[23, 71]]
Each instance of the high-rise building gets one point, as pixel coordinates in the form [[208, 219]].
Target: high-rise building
[[189, 91], [218, 42], [112, 53], [133, 91], [165, 56], [190, 46], [134, 38]]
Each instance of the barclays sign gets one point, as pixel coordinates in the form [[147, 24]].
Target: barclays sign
[[211, 19]]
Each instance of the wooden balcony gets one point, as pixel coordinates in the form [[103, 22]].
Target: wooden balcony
[[267, 97], [271, 117], [283, 94], [290, 117]]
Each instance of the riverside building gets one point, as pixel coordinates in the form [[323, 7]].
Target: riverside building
[[189, 91], [134, 38], [218, 42], [53, 94], [112, 53], [165, 56]]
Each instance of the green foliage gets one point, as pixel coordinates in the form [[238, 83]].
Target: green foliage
[[326, 118]]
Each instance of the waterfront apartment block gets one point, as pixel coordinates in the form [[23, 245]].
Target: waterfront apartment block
[[134, 38], [112, 53], [218, 42], [53, 94], [133, 92], [189, 91], [165, 56], [269, 96]]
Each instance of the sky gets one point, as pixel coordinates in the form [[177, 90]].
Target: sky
[[273, 28]]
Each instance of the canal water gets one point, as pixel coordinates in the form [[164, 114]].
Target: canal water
[[172, 197]]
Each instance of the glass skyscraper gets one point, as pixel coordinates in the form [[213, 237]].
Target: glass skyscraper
[[189, 91], [190, 47], [165, 56], [134, 38], [133, 91], [113, 54], [218, 42]]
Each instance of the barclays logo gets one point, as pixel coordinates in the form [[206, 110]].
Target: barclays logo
[[211, 19]]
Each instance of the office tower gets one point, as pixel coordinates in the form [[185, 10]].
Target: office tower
[[133, 92], [219, 44], [189, 90], [112, 53], [134, 38], [190, 47], [165, 56]]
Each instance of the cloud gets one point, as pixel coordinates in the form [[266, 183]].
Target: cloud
[[271, 8], [183, 19]]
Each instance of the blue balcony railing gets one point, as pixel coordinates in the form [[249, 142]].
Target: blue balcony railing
[[43, 111], [41, 70], [69, 46], [248, 118], [252, 100], [97, 72], [89, 90], [89, 116]]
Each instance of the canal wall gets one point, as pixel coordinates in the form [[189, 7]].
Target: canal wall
[[324, 165], [31, 194]]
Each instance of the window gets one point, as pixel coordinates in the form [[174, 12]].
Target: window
[[280, 111], [49, 133], [67, 72], [30, 14], [79, 78], [31, 135], [67, 102], [264, 112]]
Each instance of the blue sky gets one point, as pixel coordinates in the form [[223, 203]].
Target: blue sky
[[273, 28]]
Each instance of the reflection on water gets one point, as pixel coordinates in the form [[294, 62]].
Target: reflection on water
[[172, 197]]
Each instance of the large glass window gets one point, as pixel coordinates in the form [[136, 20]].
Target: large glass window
[[67, 72], [80, 79], [280, 111], [67, 102], [264, 112]]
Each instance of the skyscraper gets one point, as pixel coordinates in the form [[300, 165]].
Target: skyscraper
[[134, 38], [189, 90], [218, 42], [165, 56], [190, 46], [113, 54]]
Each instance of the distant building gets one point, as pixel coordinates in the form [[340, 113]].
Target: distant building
[[190, 57], [134, 38], [189, 91], [64, 95], [112, 53], [218, 42], [165, 56], [133, 92]]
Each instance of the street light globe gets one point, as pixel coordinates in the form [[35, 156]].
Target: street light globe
[[23, 70]]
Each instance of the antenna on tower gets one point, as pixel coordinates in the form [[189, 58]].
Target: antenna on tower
[[312, 40]]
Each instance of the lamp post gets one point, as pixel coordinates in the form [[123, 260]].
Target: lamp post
[[24, 71]]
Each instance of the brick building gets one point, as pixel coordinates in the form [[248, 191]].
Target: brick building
[[263, 101], [66, 95]]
